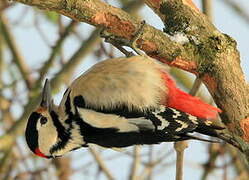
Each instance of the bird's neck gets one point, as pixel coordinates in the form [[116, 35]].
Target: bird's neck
[[69, 136]]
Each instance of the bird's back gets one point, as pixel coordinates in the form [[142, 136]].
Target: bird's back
[[134, 81]]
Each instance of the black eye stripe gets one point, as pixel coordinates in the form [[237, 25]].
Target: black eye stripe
[[43, 120], [31, 132]]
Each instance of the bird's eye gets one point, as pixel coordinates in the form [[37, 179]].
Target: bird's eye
[[43, 120]]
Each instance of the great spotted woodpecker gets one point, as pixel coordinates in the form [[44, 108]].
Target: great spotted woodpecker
[[118, 103]]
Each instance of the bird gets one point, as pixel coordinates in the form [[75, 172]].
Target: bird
[[117, 103]]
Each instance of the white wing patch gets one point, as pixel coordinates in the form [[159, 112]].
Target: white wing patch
[[101, 120], [193, 119], [142, 123], [208, 123], [177, 113], [183, 125], [164, 122]]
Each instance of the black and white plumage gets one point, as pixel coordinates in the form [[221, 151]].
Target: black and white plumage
[[117, 103]]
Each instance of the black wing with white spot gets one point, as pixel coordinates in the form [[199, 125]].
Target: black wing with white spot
[[164, 120], [175, 122]]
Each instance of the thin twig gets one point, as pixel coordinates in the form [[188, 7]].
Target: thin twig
[[42, 34], [150, 175], [159, 162], [240, 165], [237, 7], [17, 57], [63, 167], [135, 163], [196, 86], [180, 147], [67, 70], [55, 51], [209, 166], [101, 163], [1, 61], [5, 160], [207, 8]]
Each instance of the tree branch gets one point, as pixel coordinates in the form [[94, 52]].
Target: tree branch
[[216, 59]]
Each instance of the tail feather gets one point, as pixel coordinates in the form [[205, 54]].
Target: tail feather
[[208, 129], [200, 139], [182, 101]]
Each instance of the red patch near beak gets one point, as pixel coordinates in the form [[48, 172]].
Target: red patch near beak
[[39, 153]]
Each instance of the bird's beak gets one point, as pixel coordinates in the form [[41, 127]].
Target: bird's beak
[[46, 101]]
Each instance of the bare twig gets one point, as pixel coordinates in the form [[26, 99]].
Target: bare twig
[[63, 167], [42, 34], [150, 175], [67, 70], [207, 7], [101, 163], [239, 163], [158, 162], [135, 163], [237, 7], [196, 86], [55, 51], [1, 61], [180, 147], [17, 57], [209, 166], [5, 162]]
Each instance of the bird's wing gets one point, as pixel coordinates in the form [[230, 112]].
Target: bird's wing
[[106, 121], [168, 120]]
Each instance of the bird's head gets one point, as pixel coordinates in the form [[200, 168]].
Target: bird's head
[[41, 134]]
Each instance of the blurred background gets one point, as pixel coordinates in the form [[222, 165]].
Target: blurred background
[[36, 44]]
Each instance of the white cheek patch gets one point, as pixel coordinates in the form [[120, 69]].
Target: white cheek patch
[[47, 136]]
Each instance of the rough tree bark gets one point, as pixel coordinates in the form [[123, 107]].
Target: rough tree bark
[[206, 52]]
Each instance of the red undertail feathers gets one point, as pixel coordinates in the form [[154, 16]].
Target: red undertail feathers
[[182, 101]]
